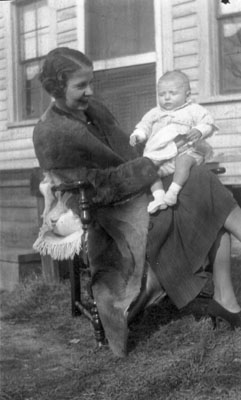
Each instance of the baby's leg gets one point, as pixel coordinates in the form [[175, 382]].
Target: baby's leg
[[183, 166], [158, 194]]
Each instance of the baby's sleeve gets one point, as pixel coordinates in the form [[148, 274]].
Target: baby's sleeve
[[203, 121], [145, 125]]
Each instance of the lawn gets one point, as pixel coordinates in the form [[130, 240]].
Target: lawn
[[173, 355]]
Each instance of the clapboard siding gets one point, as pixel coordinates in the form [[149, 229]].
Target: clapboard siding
[[184, 35], [66, 13], [67, 24], [19, 223], [178, 2], [185, 48], [184, 9], [65, 4], [186, 61], [185, 22], [185, 41], [227, 142]]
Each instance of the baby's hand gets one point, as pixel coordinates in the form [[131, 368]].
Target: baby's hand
[[133, 140], [138, 136], [193, 135]]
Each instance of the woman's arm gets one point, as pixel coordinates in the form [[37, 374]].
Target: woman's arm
[[115, 183]]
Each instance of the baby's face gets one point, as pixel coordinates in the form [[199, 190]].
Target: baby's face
[[172, 93]]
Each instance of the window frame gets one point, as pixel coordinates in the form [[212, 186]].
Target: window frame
[[209, 55], [15, 70]]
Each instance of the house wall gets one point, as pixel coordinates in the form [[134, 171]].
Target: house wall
[[19, 218], [190, 28]]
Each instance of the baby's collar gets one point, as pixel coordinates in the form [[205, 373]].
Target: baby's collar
[[175, 109]]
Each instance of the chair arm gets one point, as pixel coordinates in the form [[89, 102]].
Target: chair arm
[[71, 186], [219, 170]]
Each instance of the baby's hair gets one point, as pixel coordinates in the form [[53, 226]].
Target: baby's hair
[[176, 73], [58, 65]]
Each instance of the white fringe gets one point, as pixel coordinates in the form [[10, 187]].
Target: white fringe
[[58, 247]]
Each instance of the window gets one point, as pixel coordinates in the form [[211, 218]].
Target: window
[[229, 33], [33, 28], [120, 39]]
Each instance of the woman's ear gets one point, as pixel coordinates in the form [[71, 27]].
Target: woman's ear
[[188, 94]]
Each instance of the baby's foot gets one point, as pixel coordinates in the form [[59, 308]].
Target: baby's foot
[[155, 205], [170, 198]]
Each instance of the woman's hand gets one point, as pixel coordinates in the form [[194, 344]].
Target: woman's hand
[[193, 135]]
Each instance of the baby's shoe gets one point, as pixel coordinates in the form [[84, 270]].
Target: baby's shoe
[[158, 203], [170, 197]]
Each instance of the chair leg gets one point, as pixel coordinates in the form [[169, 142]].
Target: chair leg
[[74, 272], [77, 307], [98, 328]]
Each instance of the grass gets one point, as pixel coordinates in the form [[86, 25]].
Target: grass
[[174, 355]]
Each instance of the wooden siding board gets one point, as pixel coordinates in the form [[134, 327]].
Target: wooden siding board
[[221, 140], [3, 115], [186, 61], [229, 126], [184, 9], [225, 111], [67, 37], [191, 73], [13, 196], [66, 25], [66, 13], [22, 133], [3, 84], [18, 154], [3, 74], [187, 22], [3, 95], [65, 4], [3, 106], [185, 34], [16, 164], [13, 234], [16, 144], [178, 2], [186, 48], [20, 214]]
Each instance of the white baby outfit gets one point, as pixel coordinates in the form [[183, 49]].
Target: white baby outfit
[[158, 129]]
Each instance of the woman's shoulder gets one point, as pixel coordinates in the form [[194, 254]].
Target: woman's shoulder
[[57, 122]]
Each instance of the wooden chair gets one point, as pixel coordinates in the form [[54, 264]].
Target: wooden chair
[[81, 264]]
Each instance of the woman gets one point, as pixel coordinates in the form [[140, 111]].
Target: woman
[[133, 258]]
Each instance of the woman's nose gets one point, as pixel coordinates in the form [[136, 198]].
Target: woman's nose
[[53, 220], [89, 91]]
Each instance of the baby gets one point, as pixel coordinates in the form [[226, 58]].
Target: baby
[[175, 119]]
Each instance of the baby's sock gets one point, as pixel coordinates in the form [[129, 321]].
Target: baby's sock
[[170, 197], [158, 203]]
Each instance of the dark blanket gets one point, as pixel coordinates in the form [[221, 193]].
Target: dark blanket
[[179, 238]]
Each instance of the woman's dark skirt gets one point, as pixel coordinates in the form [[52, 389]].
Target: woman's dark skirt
[[180, 237]]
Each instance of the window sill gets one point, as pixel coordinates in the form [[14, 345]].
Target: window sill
[[20, 124], [219, 99]]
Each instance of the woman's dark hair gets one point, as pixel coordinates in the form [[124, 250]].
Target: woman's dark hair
[[58, 65]]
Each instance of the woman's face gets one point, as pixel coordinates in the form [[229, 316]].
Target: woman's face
[[79, 89]]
